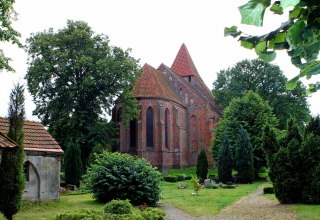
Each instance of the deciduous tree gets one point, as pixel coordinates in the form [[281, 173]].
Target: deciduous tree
[[269, 82], [75, 77], [299, 36], [7, 32]]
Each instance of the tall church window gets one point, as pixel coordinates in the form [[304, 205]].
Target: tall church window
[[149, 127], [133, 133], [166, 128]]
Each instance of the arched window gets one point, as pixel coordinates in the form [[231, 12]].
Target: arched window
[[133, 133], [166, 128], [26, 170], [149, 127]]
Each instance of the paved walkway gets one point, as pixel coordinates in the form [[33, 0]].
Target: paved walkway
[[252, 207]]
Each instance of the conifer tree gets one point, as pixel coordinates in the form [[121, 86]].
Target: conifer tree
[[73, 163], [13, 179], [244, 157], [225, 161], [202, 165]]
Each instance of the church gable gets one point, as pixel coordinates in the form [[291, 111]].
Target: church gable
[[152, 84]]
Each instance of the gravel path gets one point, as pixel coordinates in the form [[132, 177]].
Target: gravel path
[[252, 207]]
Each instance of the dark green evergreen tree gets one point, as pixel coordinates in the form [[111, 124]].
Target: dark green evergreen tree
[[202, 165], [73, 164], [252, 113], [13, 179], [244, 157], [225, 163]]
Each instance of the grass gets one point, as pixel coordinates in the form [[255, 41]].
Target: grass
[[303, 212], [48, 210], [189, 171], [208, 202]]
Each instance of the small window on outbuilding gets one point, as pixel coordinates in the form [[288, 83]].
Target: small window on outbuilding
[[26, 170]]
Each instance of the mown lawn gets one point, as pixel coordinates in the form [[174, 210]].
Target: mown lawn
[[208, 202], [50, 209]]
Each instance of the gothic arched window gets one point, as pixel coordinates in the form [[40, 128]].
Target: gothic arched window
[[149, 127], [166, 128]]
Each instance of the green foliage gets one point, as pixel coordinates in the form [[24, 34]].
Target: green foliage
[[252, 113], [299, 35], [75, 76], [225, 163], [268, 190], [196, 185], [12, 179], [122, 176], [153, 214], [73, 164], [118, 207], [82, 214], [244, 157], [314, 125], [269, 82], [7, 32], [202, 165], [294, 166]]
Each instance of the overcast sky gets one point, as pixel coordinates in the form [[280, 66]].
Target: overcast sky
[[154, 30]]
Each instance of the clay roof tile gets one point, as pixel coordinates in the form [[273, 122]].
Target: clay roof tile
[[36, 136]]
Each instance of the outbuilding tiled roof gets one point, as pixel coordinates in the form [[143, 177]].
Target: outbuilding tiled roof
[[152, 84], [183, 64], [37, 138], [6, 142]]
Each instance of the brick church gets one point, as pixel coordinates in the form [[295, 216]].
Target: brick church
[[177, 115]]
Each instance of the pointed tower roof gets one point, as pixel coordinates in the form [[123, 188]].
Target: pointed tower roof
[[183, 64], [152, 84]]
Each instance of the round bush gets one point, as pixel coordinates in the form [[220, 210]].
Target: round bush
[[118, 207], [122, 176]]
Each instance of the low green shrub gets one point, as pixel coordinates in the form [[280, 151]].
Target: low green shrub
[[268, 190], [227, 186], [122, 176], [109, 216], [188, 178], [171, 179], [153, 214], [87, 214], [118, 207]]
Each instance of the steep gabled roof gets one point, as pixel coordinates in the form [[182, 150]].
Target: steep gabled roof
[[6, 142], [183, 64], [37, 138], [152, 84]]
